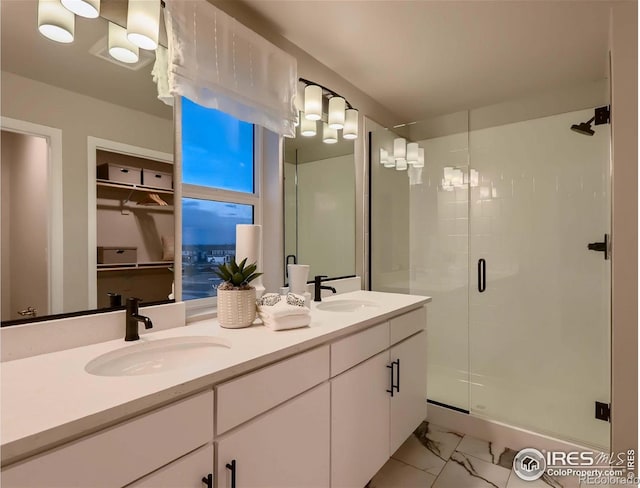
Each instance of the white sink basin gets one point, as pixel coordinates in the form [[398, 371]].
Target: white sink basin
[[345, 305], [156, 356]]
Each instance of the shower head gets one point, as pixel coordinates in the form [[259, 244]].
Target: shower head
[[584, 127]]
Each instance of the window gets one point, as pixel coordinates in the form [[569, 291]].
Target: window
[[219, 190]]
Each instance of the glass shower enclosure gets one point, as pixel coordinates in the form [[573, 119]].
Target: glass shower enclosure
[[504, 228]]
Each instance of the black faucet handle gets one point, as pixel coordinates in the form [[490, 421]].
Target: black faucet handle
[[318, 278]]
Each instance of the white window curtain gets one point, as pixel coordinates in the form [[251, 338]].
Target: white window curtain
[[219, 63]]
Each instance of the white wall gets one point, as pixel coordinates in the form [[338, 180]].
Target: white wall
[[624, 146], [24, 226], [78, 117]]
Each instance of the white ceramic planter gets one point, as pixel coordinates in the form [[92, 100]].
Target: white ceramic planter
[[236, 308]]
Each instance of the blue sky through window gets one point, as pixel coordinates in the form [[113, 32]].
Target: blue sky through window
[[217, 149]]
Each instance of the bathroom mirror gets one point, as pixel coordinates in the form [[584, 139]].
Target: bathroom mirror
[[84, 102], [319, 202]]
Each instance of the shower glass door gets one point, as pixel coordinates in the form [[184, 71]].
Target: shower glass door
[[539, 299]]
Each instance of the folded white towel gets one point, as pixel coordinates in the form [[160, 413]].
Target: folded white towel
[[285, 323], [282, 309]]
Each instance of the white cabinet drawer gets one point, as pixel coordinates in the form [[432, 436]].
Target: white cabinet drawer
[[121, 454], [407, 324], [359, 347], [186, 472], [245, 397]]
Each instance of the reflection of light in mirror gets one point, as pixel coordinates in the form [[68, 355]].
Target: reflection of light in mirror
[[485, 192], [420, 162], [415, 176], [329, 135], [84, 8], [56, 22], [384, 156], [119, 45], [307, 126], [350, 130], [401, 164], [399, 147], [412, 153], [143, 23]]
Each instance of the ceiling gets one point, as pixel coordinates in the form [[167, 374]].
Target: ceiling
[[420, 58]]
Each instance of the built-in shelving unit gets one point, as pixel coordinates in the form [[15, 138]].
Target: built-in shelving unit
[[132, 215]]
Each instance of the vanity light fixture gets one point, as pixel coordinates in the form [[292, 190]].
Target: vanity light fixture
[[384, 156], [322, 103], [143, 23], [307, 126], [55, 22], [401, 164], [329, 135], [84, 8], [120, 47]]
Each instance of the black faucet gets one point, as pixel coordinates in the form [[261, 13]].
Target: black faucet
[[318, 287], [133, 318]]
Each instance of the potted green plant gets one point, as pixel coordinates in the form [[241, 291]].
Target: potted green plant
[[236, 297]]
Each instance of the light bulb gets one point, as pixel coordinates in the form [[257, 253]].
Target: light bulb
[[350, 130], [329, 135], [307, 127], [143, 23], [55, 22], [337, 106], [84, 8], [313, 102], [120, 47]]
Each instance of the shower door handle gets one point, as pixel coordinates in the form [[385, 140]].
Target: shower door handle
[[482, 275], [600, 246]]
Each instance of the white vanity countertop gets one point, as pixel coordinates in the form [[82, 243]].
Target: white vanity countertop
[[50, 398]]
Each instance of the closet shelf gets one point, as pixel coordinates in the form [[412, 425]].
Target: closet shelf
[[136, 266], [127, 186]]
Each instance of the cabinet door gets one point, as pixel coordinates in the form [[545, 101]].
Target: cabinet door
[[186, 472], [360, 422], [285, 447], [409, 404]]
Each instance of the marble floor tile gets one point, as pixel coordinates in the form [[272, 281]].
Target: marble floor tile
[[464, 471], [487, 451], [545, 482], [395, 474], [428, 448]]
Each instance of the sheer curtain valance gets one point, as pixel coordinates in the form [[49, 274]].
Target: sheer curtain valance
[[219, 63]]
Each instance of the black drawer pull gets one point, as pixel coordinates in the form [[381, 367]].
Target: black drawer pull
[[208, 480]]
